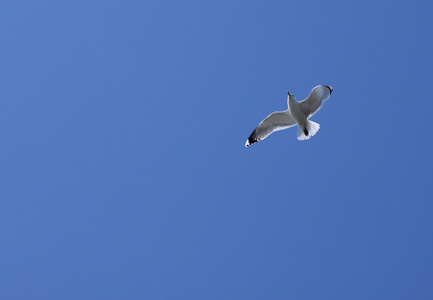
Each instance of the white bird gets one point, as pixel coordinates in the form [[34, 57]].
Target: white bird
[[298, 113]]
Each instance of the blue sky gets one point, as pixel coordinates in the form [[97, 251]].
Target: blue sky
[[124, 172]]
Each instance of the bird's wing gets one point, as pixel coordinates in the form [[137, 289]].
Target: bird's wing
[[275, 121], [315, 100]]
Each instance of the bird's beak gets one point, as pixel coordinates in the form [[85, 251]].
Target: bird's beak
[[288, 93]]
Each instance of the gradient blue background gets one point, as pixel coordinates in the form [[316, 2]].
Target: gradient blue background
[[123, 168]]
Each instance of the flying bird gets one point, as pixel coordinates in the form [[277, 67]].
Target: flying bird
[[298, 113]]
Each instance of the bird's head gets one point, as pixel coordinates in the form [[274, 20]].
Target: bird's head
[[289, 95]]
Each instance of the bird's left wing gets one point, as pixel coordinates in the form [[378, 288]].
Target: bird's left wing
[[314, 102], [278, 120]]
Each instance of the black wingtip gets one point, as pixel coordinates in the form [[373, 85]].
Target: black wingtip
[[251, 139], [330, 89]]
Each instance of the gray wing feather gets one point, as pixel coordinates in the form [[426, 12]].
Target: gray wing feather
[[276, 121], [314, 102]]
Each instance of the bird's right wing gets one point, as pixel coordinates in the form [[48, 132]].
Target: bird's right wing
[[314, 102], [275, 121]]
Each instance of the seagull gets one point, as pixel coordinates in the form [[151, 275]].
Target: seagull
[[298, 113]]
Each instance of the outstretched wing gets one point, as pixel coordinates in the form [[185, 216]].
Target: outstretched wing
[[275, 121], [315, 100]]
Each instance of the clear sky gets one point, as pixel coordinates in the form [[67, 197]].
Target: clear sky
[[124, 173]]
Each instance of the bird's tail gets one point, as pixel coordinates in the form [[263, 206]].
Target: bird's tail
[[310, 129]]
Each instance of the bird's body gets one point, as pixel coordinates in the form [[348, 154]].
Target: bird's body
[[297, 113]]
